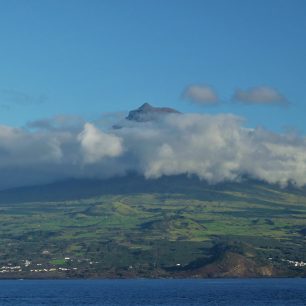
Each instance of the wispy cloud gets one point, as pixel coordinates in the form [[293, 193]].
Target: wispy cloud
[[200, 94], [5, 107], [264, 95], [57, 123], [9, 97]]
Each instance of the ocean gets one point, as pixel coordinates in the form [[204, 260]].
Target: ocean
[[154, 292]]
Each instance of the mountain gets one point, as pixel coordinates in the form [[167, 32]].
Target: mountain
[[147, 112], [175, 226], [172, 226]]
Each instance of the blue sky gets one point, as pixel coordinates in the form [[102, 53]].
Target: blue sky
[[90, 57]]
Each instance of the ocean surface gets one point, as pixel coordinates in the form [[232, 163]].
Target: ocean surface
[[154, 292]]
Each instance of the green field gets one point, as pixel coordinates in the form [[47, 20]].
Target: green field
[[236, 230]]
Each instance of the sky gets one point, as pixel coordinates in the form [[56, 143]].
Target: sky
[[86, 58], [71, 69]]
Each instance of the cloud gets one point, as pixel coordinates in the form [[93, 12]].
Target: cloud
[[260, 95], [59, 122], [96, 144], [5, 107], [200, 94], [9, 97], [216, 148]]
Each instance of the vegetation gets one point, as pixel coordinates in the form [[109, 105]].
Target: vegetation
[[245, 229]]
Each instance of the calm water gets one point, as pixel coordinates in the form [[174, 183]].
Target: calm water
[[154, 292]]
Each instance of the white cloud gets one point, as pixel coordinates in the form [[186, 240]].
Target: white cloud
[[96, 144], [260, 95], [200, 94]]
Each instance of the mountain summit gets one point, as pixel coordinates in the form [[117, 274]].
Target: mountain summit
[[147, 112]]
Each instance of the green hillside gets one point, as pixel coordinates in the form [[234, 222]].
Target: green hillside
[[171, 227]]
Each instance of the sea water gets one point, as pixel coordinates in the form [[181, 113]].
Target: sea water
[[154, 292]]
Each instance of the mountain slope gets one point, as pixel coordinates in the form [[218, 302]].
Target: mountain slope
[[169, 227], [75, 189]]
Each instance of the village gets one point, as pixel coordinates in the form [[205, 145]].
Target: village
[[27, 266], [295, 263]]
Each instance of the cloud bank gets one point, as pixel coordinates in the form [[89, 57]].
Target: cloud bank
[[216, 148], [260, 95]]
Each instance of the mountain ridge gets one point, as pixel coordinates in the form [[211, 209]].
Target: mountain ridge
[[73, 189]]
